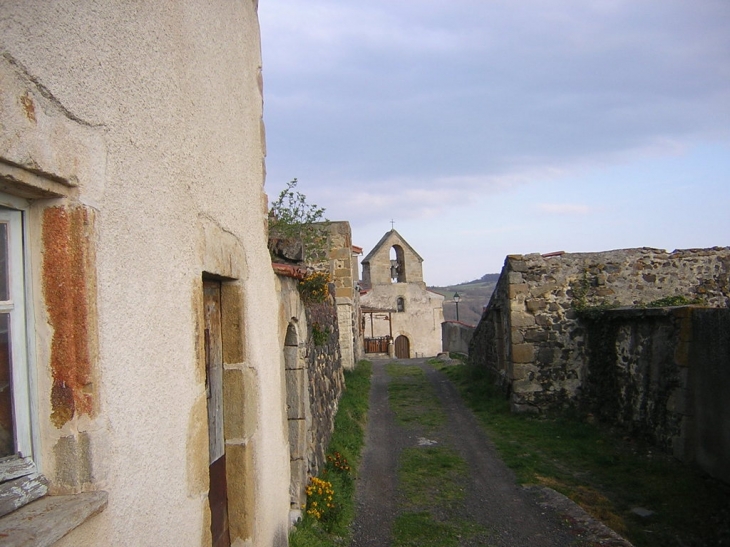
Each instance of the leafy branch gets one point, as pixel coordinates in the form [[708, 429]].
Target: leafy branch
[[292, 218]]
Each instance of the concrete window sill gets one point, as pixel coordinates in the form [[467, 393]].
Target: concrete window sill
[[45, 521]]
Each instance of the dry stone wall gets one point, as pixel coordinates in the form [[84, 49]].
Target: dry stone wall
[[326, 378], [314, 381], [531, 337]]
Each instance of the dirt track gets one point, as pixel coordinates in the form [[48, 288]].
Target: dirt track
[[515, 516]]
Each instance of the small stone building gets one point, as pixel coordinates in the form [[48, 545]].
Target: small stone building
[[397, 308]]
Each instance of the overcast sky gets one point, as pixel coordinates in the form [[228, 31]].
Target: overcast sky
[[493, 127]]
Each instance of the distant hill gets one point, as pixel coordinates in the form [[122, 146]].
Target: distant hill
[[474, 296]]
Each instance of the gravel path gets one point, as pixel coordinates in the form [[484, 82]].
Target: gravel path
[[515, 516]]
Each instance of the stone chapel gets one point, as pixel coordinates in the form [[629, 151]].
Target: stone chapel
[[399, 314]]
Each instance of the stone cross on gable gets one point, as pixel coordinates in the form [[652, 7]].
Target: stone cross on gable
[[392, 224]]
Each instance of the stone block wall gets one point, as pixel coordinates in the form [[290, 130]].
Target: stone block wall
[[343, 269], [455, 336], [531, 337]]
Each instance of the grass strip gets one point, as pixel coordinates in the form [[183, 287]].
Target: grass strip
[[431, 479], [432, 476], [608, 475], [343, 452], [412, 398]]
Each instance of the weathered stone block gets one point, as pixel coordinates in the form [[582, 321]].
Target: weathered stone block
[[239, 403], [546, 356], [516, 290], [518, 265], [523, 371], [526, 386], [231, 321], [543, 320], [297, 393], [73, 462], [298, 484], [240, 478], [535, 335], [290, 249], [604, 291], [523, 353], [535, 304], [521, 319], [297, 438], [541, 290], [233, 403], [514, 278]]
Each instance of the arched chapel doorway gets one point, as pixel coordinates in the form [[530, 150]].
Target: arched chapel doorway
[[402, 348]]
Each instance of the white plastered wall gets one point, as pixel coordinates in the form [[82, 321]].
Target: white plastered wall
[[153, 110], [420, 322]]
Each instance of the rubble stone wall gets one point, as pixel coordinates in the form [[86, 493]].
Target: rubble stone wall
[[314, 381], [662, 374], [326, 378], [531, 335]]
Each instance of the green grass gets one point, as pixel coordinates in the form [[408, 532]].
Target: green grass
[[421, 530], [433, 475], [606, 474], [347, 439], [412, 398], [431, 479]]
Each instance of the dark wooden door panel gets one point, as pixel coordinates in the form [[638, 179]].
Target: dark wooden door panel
[[402, 348], [218, 493]]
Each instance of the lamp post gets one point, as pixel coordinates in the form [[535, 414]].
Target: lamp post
[[457, 299]]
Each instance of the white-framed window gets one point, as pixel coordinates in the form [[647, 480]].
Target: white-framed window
[[16, 441]]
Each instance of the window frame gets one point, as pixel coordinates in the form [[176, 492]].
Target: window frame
[[14, 211]]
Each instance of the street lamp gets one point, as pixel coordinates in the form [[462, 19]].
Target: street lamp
[[457, 299]]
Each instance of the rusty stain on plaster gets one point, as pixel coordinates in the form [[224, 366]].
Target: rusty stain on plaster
[[28, 107], [66, 275]]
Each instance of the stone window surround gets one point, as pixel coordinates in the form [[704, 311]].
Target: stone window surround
[[40, 519]]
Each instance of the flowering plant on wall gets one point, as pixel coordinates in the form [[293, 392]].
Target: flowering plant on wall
[[314, 288], [320, 499]]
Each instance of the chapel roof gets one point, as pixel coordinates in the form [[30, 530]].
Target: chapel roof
[[382, 241]]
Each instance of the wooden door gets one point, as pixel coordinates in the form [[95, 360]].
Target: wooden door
[[218, 493], [402, 348]]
